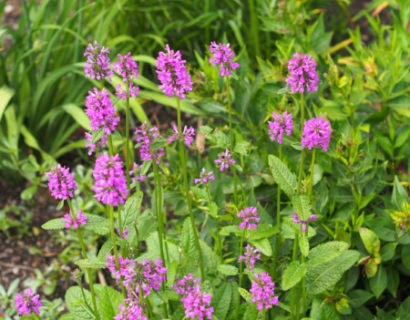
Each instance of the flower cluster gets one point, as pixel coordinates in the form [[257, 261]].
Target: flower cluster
[[250, 257], [92, 146], [27, 302], [224, 160], [101, 111], [146, 135], [128, 69], [282, 123], [304, 223], [136, 173], [133, 311], [172, 73], [249, 215], [124, 233], [75, 221], [97, 65], [316, 132], [188, 134], [222, 54], [196, 302], [205, 177], [302, 69], [61, 182], [263, 291], [110, 184]]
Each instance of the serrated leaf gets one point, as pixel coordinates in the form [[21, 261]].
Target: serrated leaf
[[76, 305], [131, 210], [301, 205], [294, 272], [54, 224], [304, 245], [227, 269], [263, 245], [325, 275], [109, 300], [171, 272], [245, 294], [93, 263], [326, 252], [222, 300], [188, 241], [282, 175], [99, 225], [370, 240]]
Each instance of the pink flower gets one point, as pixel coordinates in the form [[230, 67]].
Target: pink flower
[[224, 160], [304, 223], [120, 92], [97, 65], [188, 134], [316, 132], [61, 182], [222, 55], [136, 173], [205, 177], [27, 302], [186, 284], [172, 73], [248, 215], [123, 269], [127, 67], [263, 291], [302, 69], [110, 185], [282, 123], [133, 311], [146, 135], [101, 111], [70, 220], [196, 304], [92, 146], [124, 233], [250, 257]]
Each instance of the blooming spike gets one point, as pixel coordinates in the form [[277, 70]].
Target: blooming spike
[[302, 69], [222, 54], [27, 302], [282, 123], [61, 182], [316, 132]]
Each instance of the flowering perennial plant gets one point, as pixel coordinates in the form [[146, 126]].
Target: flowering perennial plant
[[205, 177], [251, 255], [249, 215], [27, 302], [283, 123], [187, 135], [186, 284], [304, 223], [263, 291], [61, 182], [172, 73], [70, 220], [133, 311], [316, 132], [97, 65], [146, 135], [110, 185], [127, 67], [303, 75], [222, 54], [224, 160], [101, 111]]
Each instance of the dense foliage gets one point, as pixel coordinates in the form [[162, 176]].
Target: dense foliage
[[278, 188]]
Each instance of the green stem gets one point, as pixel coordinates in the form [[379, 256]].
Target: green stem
[[127, 137], [228, 86], [235, 185], [110, 146], [186, 188], [241, 262], [302, 158], [312, 166], [84, 251], [294, 293], [158, 202], [277, 245], [219, 241]]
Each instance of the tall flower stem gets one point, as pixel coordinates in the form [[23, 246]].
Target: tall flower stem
[[240, 254], [302, 155], [219, 241], [127, 136], [294, 293], [312, 166], [158, 201], [277, 245], [186, 189], [84, 251], [110, 146]]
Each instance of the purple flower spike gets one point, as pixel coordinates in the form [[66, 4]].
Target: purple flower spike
[[304, 223], [251, 255], [101, 111], [186, 284], [263, 291], [27, 302], [97, 65], [61, 182], [188, 134], [205, 177], [224, 160], [69, 219], [120, 92], [133, 311], [196, 304], [172, 73], [302, 69], [222, 54], [248, 215], [127, 67], [146, 135], [136, 173], [283, 123], [92, 146], [110, 184], [316, 132]]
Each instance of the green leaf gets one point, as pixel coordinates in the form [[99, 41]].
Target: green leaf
[[379, 282], [264, 231], [5, 96], [99, 225], [405, 256], [78, 115], [370, 240], [188, 241], [171, 272], [93, 263], [294, 272], [387, 251], [242, 147], [323, 276], [326, 252], [227, 269], [263, 245], [304, 245], [131, 210], [245, 294], [282, 175], [29, 192], [76, 304], [109, 300], [222, 300], [359, 297], [54, 224], [301, 206]]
